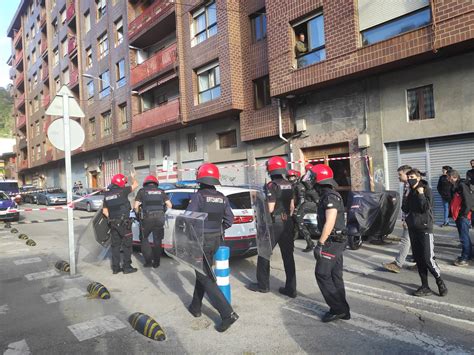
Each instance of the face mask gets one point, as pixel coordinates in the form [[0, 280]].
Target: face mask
[[412, 182]]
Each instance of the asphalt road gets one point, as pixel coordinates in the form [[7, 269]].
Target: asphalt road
[[44, 311]]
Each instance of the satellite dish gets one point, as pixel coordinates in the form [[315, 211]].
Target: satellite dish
[[56, 134]]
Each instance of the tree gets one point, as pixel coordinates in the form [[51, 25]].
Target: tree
[[7, 122]]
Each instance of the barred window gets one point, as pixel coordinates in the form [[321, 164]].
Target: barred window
[[420, 103], [192, 142], [227, 139]]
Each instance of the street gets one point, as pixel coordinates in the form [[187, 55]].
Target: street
[[45, 311]]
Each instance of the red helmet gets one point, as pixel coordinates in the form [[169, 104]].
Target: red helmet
[[323, 174], [208, 174], [308, 167], [292, 172], [120, 180], [276, 166], [150, 179]]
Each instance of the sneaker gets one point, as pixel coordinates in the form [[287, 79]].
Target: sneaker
[[129, 270], [227, 322], [423, 291], [443, 290], [116, 271], [393, 267], [329, 317], [287, 292], [460, 262], [308, 249], [156, 265]]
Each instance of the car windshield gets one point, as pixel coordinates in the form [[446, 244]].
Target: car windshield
[[3, 196], [9, 186], [180, 200], [240, 201]]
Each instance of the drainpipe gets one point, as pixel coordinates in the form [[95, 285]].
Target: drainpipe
[[280, 134]]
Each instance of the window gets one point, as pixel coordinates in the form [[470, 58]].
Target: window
[[103, 45], [35, 78], [92, 127], [57, 83], [120, 73], [228, 139], [101, 8], [64, 47], [33, 55], [395, 27], [106, 123], [420, 103], [38, 152], [118, 31], [54, 23], [104, 84], [37, 128], [66, 77], [259, 25], [192, 142], [310, 41], [87, 21], [204, 23], [90, 89], [62, 15], [35, 104], [123, 116], [140, 152], [165, 148], [55, 56], [88, 57], [209, 83], [261, 89]]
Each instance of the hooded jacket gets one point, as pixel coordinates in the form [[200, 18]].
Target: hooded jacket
[[462, 188], [445, 188], [419, 208]]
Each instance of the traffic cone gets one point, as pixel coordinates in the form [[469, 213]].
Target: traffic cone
[[98, 290], [147, 326]]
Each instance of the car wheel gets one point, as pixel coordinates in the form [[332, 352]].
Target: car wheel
[[89, 207], [355, 242]]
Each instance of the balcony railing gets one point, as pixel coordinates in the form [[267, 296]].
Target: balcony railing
[[73, 78], [153, 65], [44, 46], [20, 121], [45, 101], [44, 73], [23, 165], [19, 79], [16, 37], [18, 57], [71, 45], [147, 17], [158, 117], [71, 11], [20, 100], [42, 18], [22, 143]]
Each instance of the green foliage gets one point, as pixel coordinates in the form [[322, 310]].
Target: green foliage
[[7, 122]]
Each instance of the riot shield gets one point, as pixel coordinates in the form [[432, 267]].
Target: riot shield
[[263, 224], [93, 243], [187, 241], [100, 228], [170, 221]]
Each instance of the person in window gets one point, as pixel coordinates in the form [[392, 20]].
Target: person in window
[[444, 189], [300, 46]]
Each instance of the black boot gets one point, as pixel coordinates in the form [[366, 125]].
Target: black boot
[[423, 291], [227, 322], [129, 270], [443, 290]]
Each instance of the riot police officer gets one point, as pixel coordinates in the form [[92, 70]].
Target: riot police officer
[[281, 206], [150, 204], [220, 217], [117, 208], [330, 247]]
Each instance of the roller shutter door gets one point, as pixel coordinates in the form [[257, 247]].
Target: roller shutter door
[[233, 175], [392, 166]]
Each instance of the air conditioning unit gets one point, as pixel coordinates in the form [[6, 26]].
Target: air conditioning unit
[[301, 125], [363, 140]]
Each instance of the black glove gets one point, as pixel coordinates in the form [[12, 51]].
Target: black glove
[[317, 251]]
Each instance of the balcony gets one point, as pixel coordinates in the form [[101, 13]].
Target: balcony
[[71, 45], [154, 65], [20, 121], [49, 155], [22, 143], [17, 37], [158, 117], [20, 101], [73, 78], [71, 11], [46, 123], [42, 19], [148, 17], [45, 101], [19, 79], [44, 73], [23, 164], [18, 57], [44, 46]]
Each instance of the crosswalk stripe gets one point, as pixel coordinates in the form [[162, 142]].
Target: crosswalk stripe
[[17, 348], [41, 275], [4, 309], [16, 251], [64, 295], [316, 310], [27, 261], [96, 327]]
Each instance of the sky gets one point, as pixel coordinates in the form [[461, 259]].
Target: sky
[[7, 10]]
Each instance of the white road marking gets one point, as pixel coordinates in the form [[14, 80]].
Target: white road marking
[[466, 325], [4, 309], [96, 327], [17, 251], [359, 269], [27, 261], [316, 310], [18, 348], [41, 275], [10, 243], [59, 296]]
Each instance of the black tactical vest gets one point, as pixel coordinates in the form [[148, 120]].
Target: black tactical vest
[[116, 200], [153, 199], [214, 206], [340, 225], [284, 194]]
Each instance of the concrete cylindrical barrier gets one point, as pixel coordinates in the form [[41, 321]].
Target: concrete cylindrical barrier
[[222, 271]]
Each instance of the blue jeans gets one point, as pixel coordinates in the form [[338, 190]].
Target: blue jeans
[[446, 211], [462, 223]]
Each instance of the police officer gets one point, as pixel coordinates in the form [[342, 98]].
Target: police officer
[[117, 208], [150, 204], [220, 217], [331, 245], [281, 206]]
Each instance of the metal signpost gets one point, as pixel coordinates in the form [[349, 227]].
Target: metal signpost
[[64, 104]]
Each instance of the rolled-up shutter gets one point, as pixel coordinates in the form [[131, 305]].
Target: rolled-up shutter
[[392, 166]]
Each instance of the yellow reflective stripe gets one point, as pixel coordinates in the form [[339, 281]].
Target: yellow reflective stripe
[[153, 326], [146, 326]]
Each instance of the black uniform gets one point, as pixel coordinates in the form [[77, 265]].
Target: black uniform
[[307, 203], [152, 220], [220, 217], [280, 192], [116, 201], [329, 266]]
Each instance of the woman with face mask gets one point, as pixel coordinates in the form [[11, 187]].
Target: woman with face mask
[[418, 207]]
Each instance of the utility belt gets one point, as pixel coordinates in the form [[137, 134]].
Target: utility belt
[[123, 221], [151, 214], [338, 237], [282, 216]]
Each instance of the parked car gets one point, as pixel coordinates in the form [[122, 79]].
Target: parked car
[[90, 203], [54, 197], [6, 203], [28, 193], [240, 238], [10, 188]]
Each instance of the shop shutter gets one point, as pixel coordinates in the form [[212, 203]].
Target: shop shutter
[[392, 166], [233, 173]]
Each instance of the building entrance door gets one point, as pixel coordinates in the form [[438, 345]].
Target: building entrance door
[[94, 179]]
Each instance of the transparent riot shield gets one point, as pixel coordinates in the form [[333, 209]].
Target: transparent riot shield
[[93, 243], [263, 224], [170, 221], [187, 241]]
